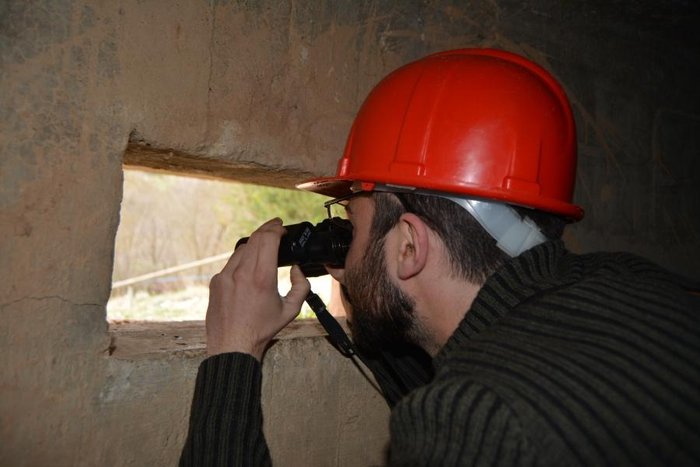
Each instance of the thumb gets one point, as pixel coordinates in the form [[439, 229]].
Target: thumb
[[297, 294]]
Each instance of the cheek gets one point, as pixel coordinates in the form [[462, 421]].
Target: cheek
[[358, 248], [353, 256]]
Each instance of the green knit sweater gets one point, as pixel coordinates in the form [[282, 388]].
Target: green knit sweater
[[561, 360]]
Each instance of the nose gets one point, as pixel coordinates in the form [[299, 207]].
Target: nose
[[336, 273]]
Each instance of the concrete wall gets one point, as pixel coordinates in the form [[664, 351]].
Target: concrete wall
[[265, 91]]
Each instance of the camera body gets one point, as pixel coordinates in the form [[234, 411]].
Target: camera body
[[314, 246]]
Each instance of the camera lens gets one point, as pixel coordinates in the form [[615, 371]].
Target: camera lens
[[314, 247]]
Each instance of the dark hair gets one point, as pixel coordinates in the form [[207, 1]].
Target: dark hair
[[473, 253], [551, 225]]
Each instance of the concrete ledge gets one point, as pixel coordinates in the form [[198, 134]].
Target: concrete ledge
[[143, 155], [136, 340]]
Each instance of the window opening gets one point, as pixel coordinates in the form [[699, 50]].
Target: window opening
[[175, 232]]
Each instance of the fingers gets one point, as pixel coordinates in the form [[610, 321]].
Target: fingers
[[267, 241], [297, 294], [262, 246], [245, 308], [336, 273]]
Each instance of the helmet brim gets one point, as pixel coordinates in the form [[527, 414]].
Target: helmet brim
[[328, 186], [339, 187]]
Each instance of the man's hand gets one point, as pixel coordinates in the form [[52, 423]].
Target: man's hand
[[245, 308]]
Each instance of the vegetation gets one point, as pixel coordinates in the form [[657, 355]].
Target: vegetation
[[168, 220]]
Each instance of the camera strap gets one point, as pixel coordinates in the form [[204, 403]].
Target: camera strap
[[337, 335]]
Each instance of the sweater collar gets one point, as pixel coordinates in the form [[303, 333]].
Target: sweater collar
[[521, 278]]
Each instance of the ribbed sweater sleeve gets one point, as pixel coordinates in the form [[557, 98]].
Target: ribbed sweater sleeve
[[457, 422], [226, 417]]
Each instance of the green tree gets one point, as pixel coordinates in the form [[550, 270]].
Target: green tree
[[257, 204]]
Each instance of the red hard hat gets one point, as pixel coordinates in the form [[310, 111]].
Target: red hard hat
[[471, 122]]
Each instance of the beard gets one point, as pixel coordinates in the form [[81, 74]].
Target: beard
[[383, 316]]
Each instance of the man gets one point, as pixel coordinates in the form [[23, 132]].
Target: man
[[457, 178]]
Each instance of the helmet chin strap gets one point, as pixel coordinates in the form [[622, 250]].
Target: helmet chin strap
[[512, 233]]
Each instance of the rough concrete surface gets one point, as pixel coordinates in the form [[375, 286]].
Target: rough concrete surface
[[265, 91]]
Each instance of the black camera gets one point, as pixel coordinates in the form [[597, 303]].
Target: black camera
[[313, 246]]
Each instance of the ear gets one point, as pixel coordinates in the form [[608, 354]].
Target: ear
[[413, 246]]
